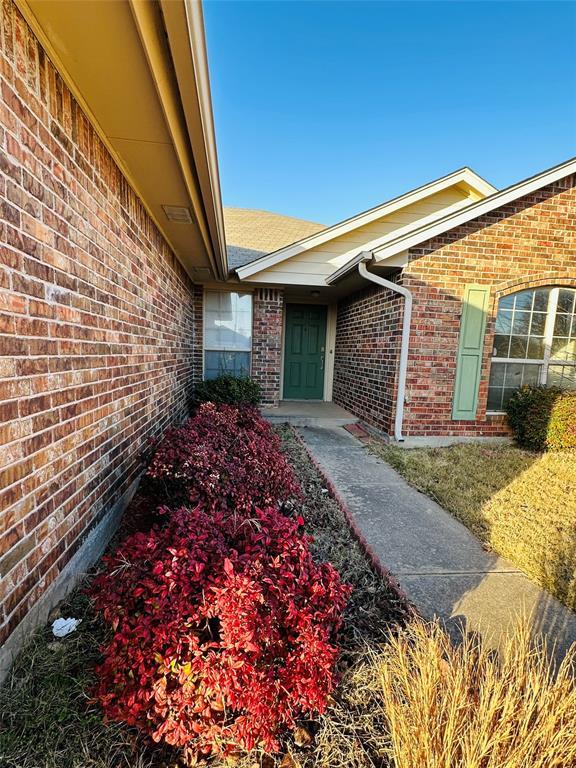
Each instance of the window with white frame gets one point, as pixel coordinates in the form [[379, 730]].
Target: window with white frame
[[534, 343], [227, 333]]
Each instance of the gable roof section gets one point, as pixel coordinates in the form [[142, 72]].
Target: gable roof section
[[251, 234], [463, 176], [505, 196], [420, 235]]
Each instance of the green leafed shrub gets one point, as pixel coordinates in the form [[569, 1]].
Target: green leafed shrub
[[228, 390], [543, 418], [529, 411]]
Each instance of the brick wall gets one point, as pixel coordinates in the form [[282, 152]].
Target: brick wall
[[528, 243], [267, 342], [198, 333], [96, 324], [368, 335]]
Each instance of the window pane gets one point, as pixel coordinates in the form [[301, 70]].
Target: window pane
[[562, 325], [563, 349], [524, 300], [506, 395], [506, 302], [518, 346], [504, 322], [521, 323], [566, 299], [494, 399], [217, 363], [535, 348], [562, 376], [531, 374], [538, 323], [495, 385], [541, 297], [514, 373], [228, 321], [497, 371], [501, 346]]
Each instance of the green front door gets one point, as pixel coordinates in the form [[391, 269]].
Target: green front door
[[304, 352]]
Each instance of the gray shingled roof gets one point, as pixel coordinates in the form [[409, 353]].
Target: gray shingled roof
[[251, 234]]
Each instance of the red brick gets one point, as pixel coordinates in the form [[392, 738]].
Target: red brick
[[268, 307], [509, 249], [99, 324]]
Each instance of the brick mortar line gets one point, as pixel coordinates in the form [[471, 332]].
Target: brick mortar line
[[91, 188], [70, 452], [65, 422]]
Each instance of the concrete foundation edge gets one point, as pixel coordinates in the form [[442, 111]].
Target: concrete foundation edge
[[96, 541], [435, 441]]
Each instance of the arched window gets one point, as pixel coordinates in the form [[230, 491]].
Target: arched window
[[534, 343]]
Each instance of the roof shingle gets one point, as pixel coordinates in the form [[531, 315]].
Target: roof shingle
[[251, 234]]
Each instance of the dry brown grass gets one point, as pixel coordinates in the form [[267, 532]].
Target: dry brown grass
[[523, 505], [464, 706]]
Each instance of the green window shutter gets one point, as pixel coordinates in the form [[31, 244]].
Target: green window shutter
[[470, 348]]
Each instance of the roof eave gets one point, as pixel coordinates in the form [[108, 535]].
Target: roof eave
[[346, 269], [200, 241], [184, 26]]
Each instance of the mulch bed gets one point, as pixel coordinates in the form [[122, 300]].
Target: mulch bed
[[48, 721]]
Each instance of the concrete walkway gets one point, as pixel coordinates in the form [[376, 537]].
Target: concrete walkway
[[308, 413], [441, 566]]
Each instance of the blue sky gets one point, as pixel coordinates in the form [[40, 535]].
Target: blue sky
[[325, 109]]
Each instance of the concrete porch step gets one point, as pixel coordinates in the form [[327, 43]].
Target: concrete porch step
[[309, 413]]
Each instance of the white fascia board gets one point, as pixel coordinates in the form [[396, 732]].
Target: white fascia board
[[345, 269], [464, 175], [289, 278], [475, 210], [396, 262]]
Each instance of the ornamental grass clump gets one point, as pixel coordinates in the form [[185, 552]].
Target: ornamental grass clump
[[224, 631], [465, 706], [223, 457]]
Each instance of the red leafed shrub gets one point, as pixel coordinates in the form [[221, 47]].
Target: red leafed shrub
[[222, 457], [224, 632]]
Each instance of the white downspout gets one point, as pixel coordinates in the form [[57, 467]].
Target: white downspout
[[407, 320]]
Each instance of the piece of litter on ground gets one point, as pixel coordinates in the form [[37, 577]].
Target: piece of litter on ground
[[63, 627], [324, 490]]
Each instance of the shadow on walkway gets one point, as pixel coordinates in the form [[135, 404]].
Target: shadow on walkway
[[441, 566]]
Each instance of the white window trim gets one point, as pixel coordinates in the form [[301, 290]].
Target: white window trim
[[211, 349], [549, 332], [547, 360]]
